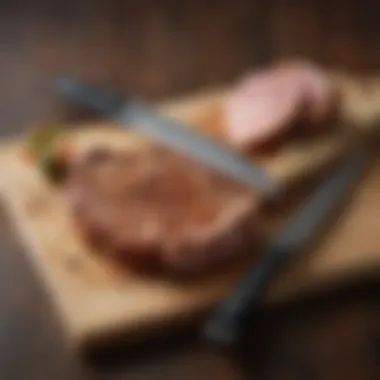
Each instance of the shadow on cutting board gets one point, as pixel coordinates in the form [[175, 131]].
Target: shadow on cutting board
[[329, 334]]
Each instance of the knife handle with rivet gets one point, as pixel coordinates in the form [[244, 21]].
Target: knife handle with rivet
[[88, 96]]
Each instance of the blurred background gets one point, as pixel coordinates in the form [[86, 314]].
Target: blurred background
[[157, 48]]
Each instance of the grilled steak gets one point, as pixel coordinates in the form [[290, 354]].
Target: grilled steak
[[155, 209]]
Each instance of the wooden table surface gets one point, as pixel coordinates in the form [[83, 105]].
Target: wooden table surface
[[155, 49]]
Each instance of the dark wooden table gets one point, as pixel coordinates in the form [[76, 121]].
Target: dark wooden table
[[155, 48]]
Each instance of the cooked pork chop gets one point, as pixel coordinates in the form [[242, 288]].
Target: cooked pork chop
[[156, 209]]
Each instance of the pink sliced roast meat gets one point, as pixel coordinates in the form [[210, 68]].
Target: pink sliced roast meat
[[320, 94], [269, 103]]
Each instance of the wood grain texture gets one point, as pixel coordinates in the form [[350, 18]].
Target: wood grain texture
[[109, 42], [96, 299]]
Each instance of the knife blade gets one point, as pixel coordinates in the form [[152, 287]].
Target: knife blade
[[224, 326], [171, 133]]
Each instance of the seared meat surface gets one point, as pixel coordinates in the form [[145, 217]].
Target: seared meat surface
[[154, 208]]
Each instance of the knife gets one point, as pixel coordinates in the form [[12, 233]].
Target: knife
[[170, 132], [224, 327]]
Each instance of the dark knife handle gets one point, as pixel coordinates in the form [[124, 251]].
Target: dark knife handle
[[88, 96], [224, 326]]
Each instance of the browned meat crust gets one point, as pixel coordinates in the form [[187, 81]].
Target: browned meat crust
[[155, 209]]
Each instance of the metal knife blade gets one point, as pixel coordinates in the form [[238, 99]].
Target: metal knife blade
[[171, 133], [224, 326]]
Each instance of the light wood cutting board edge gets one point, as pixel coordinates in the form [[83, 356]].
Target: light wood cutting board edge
[[82, 332]]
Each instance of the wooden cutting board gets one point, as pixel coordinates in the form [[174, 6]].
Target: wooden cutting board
[[96, 300]]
